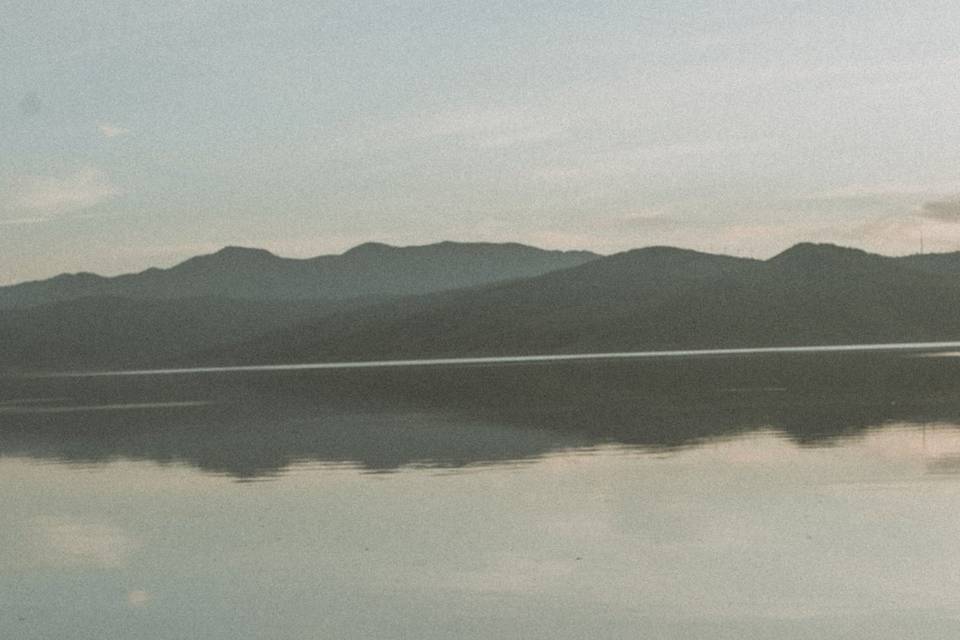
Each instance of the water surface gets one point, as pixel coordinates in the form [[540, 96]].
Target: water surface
[[733, 496]]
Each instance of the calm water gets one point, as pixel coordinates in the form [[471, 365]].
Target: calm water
[[740, 496]]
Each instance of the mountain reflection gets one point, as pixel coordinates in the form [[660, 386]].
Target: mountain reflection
[[251, 425]]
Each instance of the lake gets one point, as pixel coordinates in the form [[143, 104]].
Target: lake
[[737, 495]]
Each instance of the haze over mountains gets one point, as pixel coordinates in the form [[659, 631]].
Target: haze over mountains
[[246, 306]]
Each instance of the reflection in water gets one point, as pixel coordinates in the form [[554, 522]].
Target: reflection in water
[[748, 537], [256, 424], [753, 497]]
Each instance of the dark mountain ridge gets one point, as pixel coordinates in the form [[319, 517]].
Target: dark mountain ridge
[[654, 298], [370, 269], [643, 299]]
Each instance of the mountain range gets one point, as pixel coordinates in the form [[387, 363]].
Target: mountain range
[[370, 269], [248, 306]]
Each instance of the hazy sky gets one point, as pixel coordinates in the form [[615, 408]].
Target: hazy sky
[[139, 133]]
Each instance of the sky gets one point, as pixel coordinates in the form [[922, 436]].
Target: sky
[[137, 134]]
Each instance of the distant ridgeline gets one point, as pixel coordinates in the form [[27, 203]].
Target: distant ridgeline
[[248, 306]]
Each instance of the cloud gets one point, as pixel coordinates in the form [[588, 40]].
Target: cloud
[[886, 190], [940, 210], [483, 128], [22, 221], [108, 130], [649, 220], [53, 195]]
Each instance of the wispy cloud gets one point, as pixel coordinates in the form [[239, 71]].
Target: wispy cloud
[[940, 210], [886, 190], [108, 130], [21, 221], [653, 219], [615, 160], [484, 128], [55, 195]]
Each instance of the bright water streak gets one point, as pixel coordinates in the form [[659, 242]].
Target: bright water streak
[[433, 362]]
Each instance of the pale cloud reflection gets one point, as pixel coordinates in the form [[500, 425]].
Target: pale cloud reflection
[[512, 575], [66, 541]]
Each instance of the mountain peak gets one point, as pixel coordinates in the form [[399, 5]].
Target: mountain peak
[[665, 250], [812, 251], [230, 257], [661, 253], [368, 248], [233, 251]]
